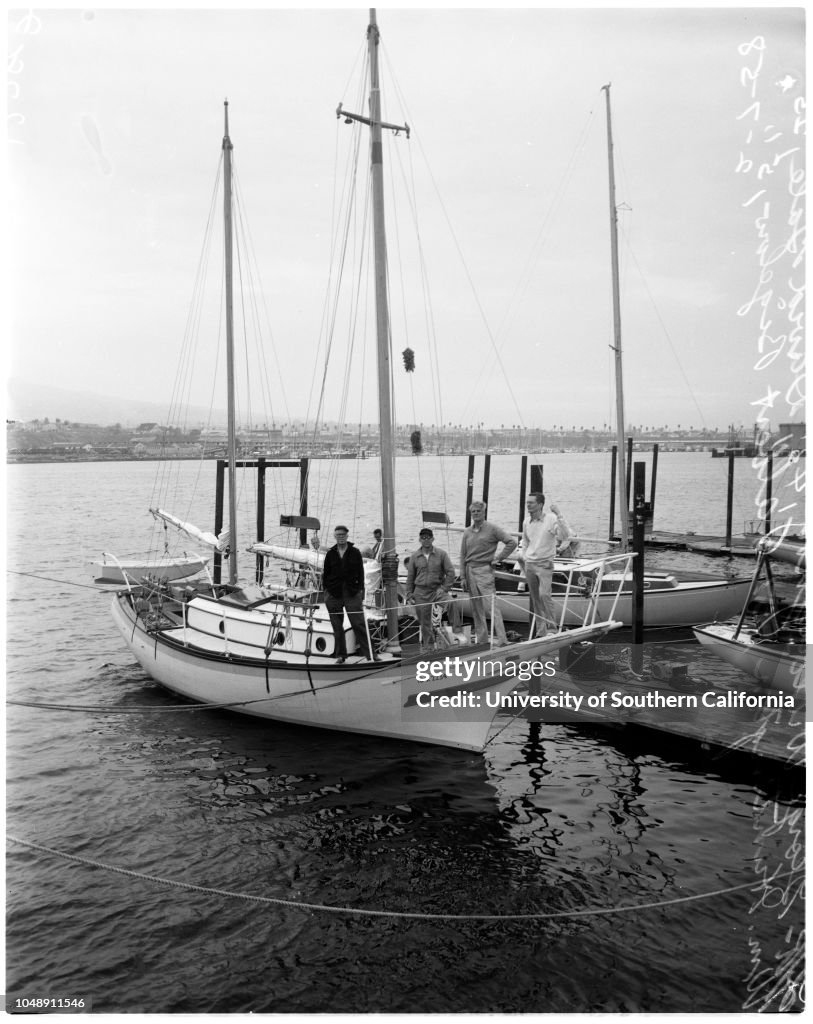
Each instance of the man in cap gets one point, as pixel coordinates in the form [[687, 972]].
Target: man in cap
[[343, 580], [429, 579], [478, 559]]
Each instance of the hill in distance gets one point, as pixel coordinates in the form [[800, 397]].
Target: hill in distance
[[27, 401]]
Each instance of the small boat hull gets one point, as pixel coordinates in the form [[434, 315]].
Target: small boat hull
[[778, 666], [137, 569], [210, 666], [675, 603]]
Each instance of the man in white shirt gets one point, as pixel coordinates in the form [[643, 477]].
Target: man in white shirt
[[541, 533]]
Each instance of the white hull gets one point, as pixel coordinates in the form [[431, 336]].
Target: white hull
[[681, 604], [777, 665], [137, 569], [204, 665]]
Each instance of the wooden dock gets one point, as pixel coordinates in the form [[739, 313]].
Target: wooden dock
[[707, 544], [714, 715]]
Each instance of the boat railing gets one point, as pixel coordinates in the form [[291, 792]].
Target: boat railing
[[598, 569], [583, 579], [587, 579], [299, 628], [124, 574]]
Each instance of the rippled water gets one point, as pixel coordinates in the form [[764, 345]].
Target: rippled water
[[554, 821]]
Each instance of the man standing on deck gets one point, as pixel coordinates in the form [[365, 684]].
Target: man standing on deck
[[478, 549], [343, 580], [541, 533], [429, 579]]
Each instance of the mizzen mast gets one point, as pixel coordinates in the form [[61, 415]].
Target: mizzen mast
[[231, 425]]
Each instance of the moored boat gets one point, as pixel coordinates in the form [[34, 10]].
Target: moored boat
[[768, 646], [110, 569], [668, 599], [269, 651]]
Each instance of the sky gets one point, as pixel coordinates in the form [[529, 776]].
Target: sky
[[115, 126]]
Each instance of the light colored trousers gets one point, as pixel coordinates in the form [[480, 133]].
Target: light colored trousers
[[539, 577], [425, 597], [480, 582]]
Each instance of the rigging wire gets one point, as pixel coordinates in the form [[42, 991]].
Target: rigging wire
[[166, 486], [346, 234], [407, 172], [664, 328], [525, 277], [496, 353]]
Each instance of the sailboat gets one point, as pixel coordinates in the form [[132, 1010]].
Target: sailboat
[[111, 569], [669, 599], [770, 648], [269, 652]]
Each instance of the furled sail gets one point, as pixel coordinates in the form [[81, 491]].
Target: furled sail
[[301, 556], [218, 543], [316, 560]]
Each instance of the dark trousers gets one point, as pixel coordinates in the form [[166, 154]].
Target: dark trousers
[[352, 604]]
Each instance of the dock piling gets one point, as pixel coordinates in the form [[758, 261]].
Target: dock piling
[[730, 500], [638, 531]]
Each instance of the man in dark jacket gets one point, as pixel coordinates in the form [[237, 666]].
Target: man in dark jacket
[[343, 579], [429, 579]]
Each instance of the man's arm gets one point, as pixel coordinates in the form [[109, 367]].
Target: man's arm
[[525, 541], [463, 546], [410, 583], [358, 562], [509, 542], [559, 530], [449, 574]]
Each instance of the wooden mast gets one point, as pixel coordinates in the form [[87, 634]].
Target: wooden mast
[[623, 498], [385, 417], [389, 559], [232, 429]]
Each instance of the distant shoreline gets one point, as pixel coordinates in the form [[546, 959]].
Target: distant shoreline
[[47, 459]]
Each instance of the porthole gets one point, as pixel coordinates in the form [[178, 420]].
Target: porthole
[[279, 639], [221, 626], [321, 644]]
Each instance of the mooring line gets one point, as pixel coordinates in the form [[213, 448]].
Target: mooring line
[[67, 583], [362, 912], [135, 708]]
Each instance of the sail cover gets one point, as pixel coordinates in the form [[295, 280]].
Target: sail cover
[[316, 560], [301, 556], [218, 543]]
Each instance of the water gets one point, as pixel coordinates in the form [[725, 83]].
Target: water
[[552, 820]]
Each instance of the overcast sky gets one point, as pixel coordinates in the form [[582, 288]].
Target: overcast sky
[[116, 123]]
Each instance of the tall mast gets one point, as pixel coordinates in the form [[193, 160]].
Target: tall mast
[[384, 355], [382, 317], [619, 376], [232, 430]]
